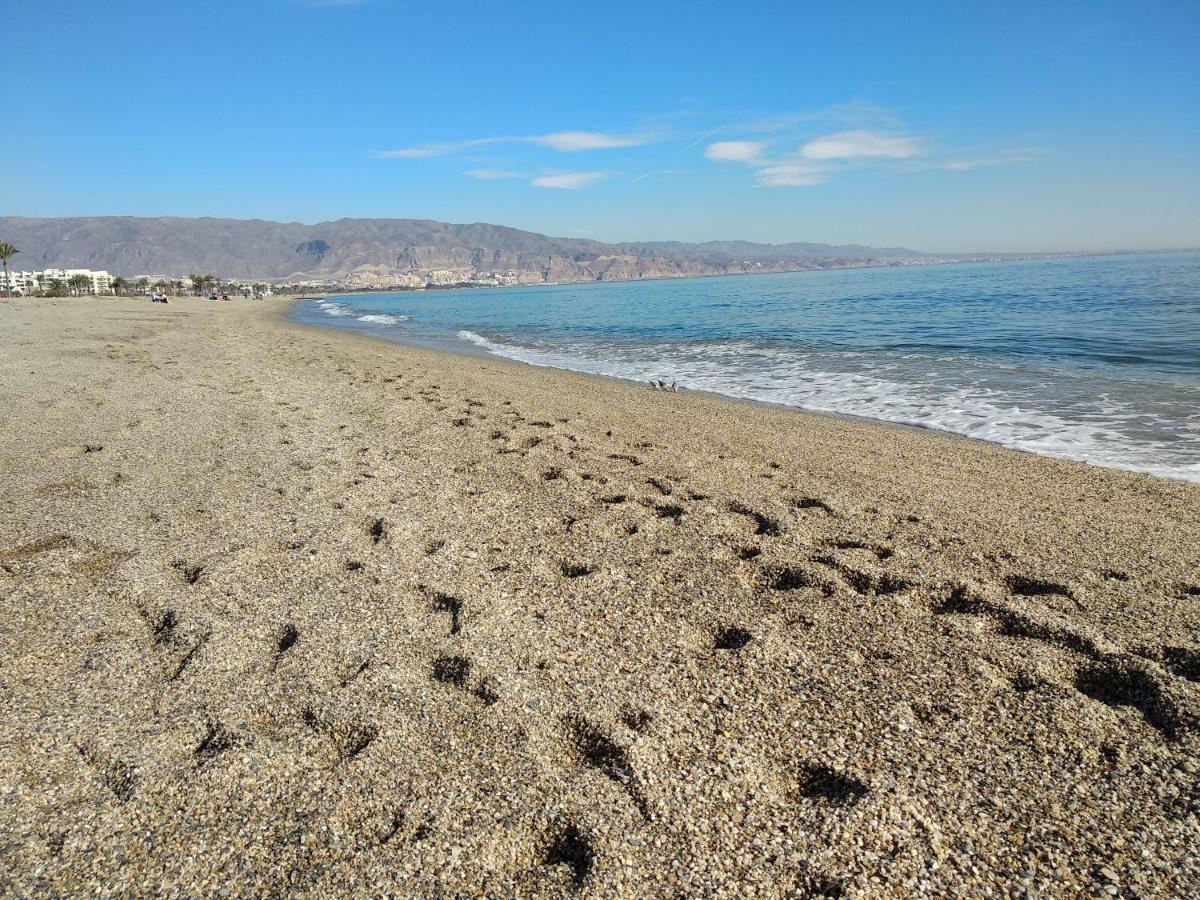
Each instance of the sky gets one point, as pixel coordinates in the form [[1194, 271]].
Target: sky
[[945, 127]]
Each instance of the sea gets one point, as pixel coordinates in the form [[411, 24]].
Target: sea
[[1092, 358]]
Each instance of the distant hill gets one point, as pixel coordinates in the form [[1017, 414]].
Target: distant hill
[[253, 248]]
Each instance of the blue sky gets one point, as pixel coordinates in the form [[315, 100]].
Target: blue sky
[[939, 126]]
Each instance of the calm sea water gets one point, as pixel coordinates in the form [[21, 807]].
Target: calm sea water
[[1095, 359]]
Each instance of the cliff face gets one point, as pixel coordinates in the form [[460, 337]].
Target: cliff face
[[238, 248]]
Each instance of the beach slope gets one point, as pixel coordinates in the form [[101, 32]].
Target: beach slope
[[288, 610]]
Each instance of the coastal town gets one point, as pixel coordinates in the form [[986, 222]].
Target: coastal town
[[55, 282], [74, 282]]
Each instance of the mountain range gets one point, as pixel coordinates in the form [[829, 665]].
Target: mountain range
[[349, 249]]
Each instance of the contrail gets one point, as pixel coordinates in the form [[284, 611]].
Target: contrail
[[704, 137]]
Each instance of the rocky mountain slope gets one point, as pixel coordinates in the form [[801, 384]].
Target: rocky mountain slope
[[253, 248]]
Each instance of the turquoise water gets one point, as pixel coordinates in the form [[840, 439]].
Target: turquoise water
[[1095, 359]]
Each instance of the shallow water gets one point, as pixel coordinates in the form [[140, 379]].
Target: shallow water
[[1091, 358]]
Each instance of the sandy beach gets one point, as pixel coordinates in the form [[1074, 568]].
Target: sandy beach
[[293, 611]]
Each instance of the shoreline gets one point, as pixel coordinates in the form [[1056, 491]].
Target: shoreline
[[285, 605], [464, 348], [285, 316]]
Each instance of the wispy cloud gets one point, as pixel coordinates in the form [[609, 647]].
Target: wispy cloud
[[422, 152], [736, 151], [560, 141], [798, 149], [854, 114], [861, 144], [790, 175], [574, 141], [492, 174], [568, 181], [1006, 158]]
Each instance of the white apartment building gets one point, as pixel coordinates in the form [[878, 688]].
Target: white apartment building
[[30, 282], [101, 281], [19, 283]]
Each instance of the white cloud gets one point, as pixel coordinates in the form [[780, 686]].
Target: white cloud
[[574, 141], [568, 181], [789, 175], [423, 152], [562, 141], [770, 172], [814, 161], [736, 151], [491, 174], [1008, 157], [860, 145]]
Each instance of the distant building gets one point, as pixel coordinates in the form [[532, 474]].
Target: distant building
[[445, 276], [30, 282], [382, 281], [19, 282], [101, 281]]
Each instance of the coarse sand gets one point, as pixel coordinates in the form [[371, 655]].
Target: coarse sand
[[291, 611]]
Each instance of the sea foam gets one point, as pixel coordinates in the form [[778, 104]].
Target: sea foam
[[1094, 359], [383, 319]]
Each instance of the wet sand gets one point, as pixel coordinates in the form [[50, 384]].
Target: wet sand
[[290, 610]]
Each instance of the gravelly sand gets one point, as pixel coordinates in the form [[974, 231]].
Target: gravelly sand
[[293, 611]]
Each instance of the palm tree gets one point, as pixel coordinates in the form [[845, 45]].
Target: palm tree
[[56, 288], [81, 284], [7, 252], [200, 282], [142, 284], [119, 284]]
